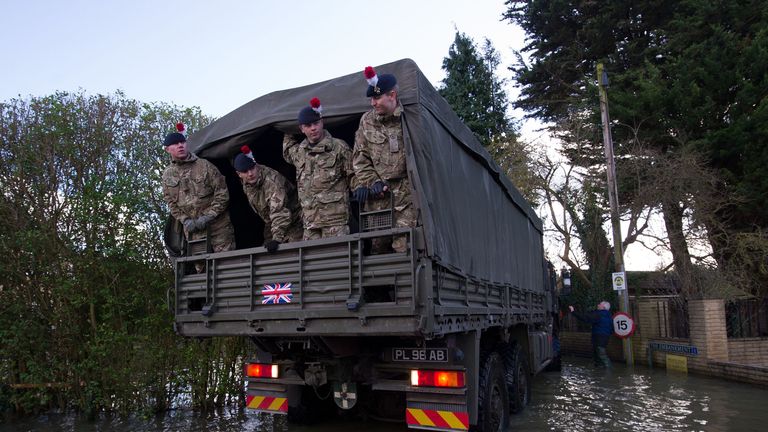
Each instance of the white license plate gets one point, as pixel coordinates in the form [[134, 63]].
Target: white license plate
[[435, 355]]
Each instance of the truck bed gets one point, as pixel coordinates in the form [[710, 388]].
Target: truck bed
[[335, 290]]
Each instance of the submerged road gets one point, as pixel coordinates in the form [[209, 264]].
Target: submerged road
[[580, 398]]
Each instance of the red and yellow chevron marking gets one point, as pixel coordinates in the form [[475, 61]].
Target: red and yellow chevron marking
[[267, 403], [437, 419]]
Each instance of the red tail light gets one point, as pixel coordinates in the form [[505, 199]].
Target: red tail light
[[261, 370], [437, 378]]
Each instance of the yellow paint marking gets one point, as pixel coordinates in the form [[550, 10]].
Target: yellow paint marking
[[452, 420], [275, 405], [256, 401], [421, 417]]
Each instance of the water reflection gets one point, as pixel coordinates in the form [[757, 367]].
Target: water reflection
[[188, 421], [580, 398]]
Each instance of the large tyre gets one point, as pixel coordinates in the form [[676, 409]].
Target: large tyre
[[518, 377], [493, 398], [173, 237]]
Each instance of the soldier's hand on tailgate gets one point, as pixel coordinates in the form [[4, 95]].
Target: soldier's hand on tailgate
[[272, 245], [201, 223], [360, 194], [378, 189], [189, 225]]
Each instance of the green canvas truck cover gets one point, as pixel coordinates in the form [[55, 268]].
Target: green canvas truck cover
[[475, 221]]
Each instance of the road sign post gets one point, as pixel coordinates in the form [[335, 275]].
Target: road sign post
[[613, 199]]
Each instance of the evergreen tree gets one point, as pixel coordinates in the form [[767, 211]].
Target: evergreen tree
[[686, 76], [474, 91]]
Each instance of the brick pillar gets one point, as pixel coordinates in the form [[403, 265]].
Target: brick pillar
[[647, 322], [706, 320]]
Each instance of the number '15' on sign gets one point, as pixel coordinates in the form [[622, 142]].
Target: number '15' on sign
[[623, 325]]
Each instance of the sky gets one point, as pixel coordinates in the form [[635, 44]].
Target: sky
[[220, 55]]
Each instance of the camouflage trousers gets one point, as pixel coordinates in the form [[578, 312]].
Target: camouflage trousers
[[331, 231], [403, 214]]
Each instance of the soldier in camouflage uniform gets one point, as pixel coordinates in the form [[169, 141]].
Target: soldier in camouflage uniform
[[197, 195], [273, 198], [378, 159], [323, 169]]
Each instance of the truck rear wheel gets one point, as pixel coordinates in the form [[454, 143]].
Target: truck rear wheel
[[493, 396], [518, 378]]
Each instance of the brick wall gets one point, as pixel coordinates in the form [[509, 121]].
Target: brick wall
[[580, 344], [708, 331], [738, 372], [748, 351], [744, 360], [647, 328]]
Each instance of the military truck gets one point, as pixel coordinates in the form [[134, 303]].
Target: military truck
[[445, 336]]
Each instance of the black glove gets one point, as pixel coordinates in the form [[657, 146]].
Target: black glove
[[189, 225], [360, 194], [378, 188], [271, 245]]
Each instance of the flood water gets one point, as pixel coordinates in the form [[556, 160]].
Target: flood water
[[580, 398]]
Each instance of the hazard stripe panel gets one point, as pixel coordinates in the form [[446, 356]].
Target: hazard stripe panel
[[267, 404], [442, 420]]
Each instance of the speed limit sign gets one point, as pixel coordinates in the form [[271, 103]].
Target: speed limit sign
[[623, 325]]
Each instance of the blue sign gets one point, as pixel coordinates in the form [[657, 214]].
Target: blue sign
[[689, 350]]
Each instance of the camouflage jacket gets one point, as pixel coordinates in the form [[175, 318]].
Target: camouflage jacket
[[379, 152], [194, 187], [323, 173], [273, 198]]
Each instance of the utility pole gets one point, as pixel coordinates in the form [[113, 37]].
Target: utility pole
[[613, 198]]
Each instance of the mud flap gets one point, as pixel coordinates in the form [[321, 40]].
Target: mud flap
[[272, 399], [267, 404], [442, 420], [436, 412]]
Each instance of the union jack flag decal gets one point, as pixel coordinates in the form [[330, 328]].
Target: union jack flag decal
[[277, 293]]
